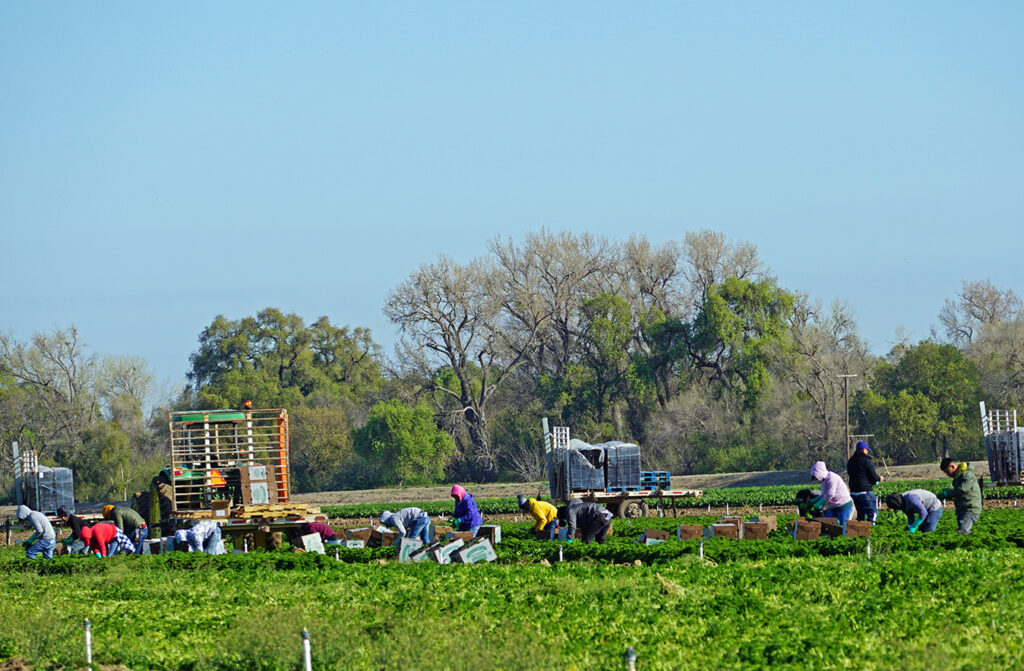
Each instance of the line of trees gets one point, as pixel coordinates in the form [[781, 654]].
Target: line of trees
[[690, 348]]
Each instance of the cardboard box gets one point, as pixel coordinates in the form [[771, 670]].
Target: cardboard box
[[256, 493], [755, 531], [221, 507], [353, 544], [805, 530], [491, 532], [382, 537], [464, 536], [689, 532], [361, 534], [443, 553], [313, 543], [855, 529], [477, 551], [424, 553], [770, 520], [724, 531], [406, 546], [830, 526], [657, 535], [731, 519]]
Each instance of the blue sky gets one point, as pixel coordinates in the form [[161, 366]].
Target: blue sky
[[162, 163]]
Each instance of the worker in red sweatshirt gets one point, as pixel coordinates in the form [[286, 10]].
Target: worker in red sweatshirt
[[105, 539]]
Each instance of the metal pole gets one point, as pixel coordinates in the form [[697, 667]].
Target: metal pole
[[702, 548], [88, 642], [630, 659], [869, 548], [559, 553], [306, 655], [846, 396]]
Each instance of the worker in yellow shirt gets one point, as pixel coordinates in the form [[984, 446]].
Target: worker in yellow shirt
[[542, 511]]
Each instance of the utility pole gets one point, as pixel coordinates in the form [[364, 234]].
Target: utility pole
[[846, 397]]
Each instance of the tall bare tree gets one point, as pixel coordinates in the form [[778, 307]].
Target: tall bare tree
[[544, 281], [60, 377], [451, 317], [978, 303]]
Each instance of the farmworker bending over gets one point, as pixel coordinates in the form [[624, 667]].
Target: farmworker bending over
[[861, 471], [326, 532], [74, 541], [44, 539], [74, 521], [919, 503], [594, 521], [466, 517], [965, 492], [106, 540], [542, 511], [834, 497], [202, 537], [130, 523], [410, 522]]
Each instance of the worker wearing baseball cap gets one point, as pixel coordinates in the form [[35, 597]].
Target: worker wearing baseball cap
[[861, 472], [545, 514]]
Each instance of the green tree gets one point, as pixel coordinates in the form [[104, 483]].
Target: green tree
[[322, 456], [275, 360], [404, 443], [931, 392], [738, 331]]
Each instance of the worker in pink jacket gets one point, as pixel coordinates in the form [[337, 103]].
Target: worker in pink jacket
[[834, 497]]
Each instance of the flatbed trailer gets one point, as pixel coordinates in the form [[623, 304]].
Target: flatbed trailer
[[608, 474], [636, 503]]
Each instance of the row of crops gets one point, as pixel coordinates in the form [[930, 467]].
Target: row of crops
[[998, 530], [749, 604], [716, 498]]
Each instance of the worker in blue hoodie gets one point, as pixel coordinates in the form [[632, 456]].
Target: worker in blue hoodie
[[466, 516]]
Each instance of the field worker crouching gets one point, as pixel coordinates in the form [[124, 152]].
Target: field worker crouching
[[410, 522], [861, 471], [594, 521], [466, 516], [202, 537], [834, 497], [919, 503], [44, 539], [543, 512], [74, 542], [106, 540], [326, 533], [130, 523], [965, 492]]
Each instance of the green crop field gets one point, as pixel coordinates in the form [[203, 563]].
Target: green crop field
[[927, 601]]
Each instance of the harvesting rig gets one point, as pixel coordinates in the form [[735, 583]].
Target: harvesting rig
[[1004, 446], [608, 473], [230, 466]]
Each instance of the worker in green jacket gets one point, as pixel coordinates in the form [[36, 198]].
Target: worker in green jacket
[[130, 523], [965, 492]]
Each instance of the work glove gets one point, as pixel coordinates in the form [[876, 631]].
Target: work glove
[[32, 539], [912, 528], [945, 493], [453, 521], [568, 540], [97, 555]]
